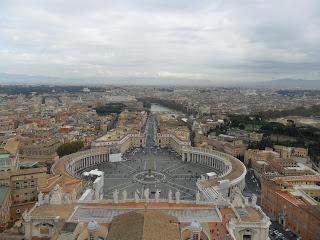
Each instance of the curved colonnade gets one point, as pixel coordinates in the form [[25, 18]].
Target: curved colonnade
[[231, 172], [74, 163]]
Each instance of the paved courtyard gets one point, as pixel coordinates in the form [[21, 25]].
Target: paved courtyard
[[152, 168]]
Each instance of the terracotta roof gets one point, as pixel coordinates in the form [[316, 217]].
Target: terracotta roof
[[20, 172], [298, 178], [12, 145], [292, 199], [62, 210], [144, 225], [68, 184], [219, 228]]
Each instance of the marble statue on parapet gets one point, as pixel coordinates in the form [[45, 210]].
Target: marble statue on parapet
[[56, 195], [40, 198], [115, 196], [254, 200], [220, 200], [146, 195], [46, 198], [236, 191], [170, 196], [198, 197], [73, 195], [124, 196], [239, 200], [136, 196], [157, 195], [66, 198], [178, 196], [26, 216]]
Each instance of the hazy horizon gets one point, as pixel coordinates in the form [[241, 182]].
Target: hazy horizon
[[201, 42]]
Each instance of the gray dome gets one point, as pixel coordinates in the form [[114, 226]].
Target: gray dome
[[195, 226], [92, 226]]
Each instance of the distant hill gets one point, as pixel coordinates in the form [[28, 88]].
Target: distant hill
[[291, 84], [13, 79]]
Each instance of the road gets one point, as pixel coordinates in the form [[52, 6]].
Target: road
[[151, 131], [253, 186]]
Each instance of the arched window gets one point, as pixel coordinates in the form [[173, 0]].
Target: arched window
[[91, 237]]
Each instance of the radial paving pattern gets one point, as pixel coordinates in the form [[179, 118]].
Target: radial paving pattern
[[154, 169]]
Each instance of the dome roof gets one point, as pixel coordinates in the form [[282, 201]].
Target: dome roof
[[195, 226], [92, 226]]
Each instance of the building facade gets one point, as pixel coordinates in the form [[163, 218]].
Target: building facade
[[293, 201]]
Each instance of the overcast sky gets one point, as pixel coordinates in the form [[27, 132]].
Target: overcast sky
[[238, 40]]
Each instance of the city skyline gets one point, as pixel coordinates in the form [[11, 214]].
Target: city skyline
[[198, 42]]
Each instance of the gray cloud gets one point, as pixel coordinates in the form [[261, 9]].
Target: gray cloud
[[214, 40]]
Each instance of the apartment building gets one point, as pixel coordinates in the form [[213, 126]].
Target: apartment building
[[294, 201]]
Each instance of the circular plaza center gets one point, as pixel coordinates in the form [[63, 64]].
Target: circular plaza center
[[154, 169]]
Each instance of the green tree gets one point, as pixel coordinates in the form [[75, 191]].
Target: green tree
[[70, 147], [242, 126]]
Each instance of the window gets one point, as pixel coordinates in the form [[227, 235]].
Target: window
[[246, 237], [195, 236]]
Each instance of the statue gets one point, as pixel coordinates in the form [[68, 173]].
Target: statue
[[146, 194], [56, 195], [136, 196], [124, 196], [254, 200], [170, 196], [73, 195], [26, 216], [220, 200], [40, 198], [177, 196], [66, 198], [46, 199], [198, 197], [115, 196], [157, 195]]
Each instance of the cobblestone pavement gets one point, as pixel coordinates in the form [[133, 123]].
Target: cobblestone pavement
[[166, 170]]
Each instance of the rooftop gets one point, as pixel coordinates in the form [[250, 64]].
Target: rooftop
[[292, 199], [144, 225], [104, 211], [63, 210], [237, 170], [12, 145], [298, 178], [252, 215]]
